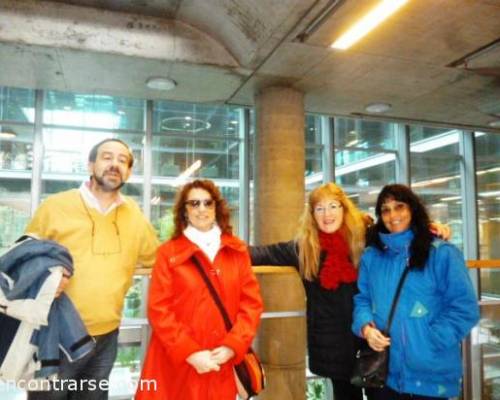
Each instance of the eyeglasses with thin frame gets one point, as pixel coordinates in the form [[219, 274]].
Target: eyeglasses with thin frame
[[117, 249], [332, 207], [196, 203]]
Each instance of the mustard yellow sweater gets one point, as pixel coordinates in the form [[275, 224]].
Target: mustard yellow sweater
[[104, 256]]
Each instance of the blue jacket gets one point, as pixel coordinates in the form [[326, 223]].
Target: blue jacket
[[34, 326], [436, 310]]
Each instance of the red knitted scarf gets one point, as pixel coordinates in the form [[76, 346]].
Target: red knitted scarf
[[337, 268]]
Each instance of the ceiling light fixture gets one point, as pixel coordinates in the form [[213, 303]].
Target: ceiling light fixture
[[367, 23], [378, 107], [7, 133], [161, 83], [494, 124]]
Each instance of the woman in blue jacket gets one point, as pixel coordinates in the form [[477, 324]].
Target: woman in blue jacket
[[437, 307]]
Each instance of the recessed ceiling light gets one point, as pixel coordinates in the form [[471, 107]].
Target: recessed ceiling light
[[494, 124], [159, 83], [378, 107]]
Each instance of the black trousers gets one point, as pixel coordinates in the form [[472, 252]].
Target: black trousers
[[343, 390], [387, 393]]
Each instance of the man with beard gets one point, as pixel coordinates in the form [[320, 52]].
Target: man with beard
[[107, 235]]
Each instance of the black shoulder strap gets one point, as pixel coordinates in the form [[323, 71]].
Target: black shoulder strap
[[213, 292], [396, 298]]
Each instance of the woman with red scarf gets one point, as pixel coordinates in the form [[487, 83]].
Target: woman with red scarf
[[326, 252]]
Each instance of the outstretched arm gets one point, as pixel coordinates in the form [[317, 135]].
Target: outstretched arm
[[279, 254]]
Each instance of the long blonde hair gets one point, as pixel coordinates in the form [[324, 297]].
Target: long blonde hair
[[353, 229]]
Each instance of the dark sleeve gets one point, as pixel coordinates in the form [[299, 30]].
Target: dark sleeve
[[278, 254]]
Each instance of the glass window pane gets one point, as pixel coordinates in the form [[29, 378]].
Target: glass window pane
[[363, 173], [488, 188], [15, 204], [16, 149], [204, 158], [364, 134], [66, 151], [313, 130], [489, 349], [435, 175], [93, 111], [314, 152], [197, 119], [16, 160], [17, 104]]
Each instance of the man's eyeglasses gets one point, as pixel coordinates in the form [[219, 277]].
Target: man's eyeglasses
[[208, 203], [112, 243]]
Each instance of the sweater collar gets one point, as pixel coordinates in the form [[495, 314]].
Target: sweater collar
[[397, 242]]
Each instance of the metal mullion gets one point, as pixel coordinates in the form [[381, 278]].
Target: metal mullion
[[190, 136], [472, 356], [93, 129], [36, 177], [146, 201], [244, 175], [328, 149], [403, 171]]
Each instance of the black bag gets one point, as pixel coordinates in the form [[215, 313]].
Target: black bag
[[371, 367]]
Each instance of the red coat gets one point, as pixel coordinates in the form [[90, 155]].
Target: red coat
[[185, 319]]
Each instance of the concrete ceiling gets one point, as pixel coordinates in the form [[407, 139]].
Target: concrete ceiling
[[424, 60]]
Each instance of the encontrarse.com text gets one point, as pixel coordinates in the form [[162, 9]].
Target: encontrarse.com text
[[75, 385]]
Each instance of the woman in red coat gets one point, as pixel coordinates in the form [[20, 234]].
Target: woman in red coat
[[191, 355]]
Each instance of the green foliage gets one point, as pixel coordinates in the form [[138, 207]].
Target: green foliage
[[128, 357], [316, 389]]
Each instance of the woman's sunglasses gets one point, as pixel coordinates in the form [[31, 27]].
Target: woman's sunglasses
[[208, 203]]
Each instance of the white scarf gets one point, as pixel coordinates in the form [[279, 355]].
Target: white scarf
[[208, 241]]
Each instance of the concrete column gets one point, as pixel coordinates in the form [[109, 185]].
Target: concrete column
[[281, 340], [279, 164]]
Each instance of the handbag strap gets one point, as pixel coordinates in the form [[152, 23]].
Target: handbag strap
[[396, 298], [213, 293]]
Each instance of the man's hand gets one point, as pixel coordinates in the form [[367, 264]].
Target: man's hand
[[441, 230], [376, 340], [64, 282], [222, 354], [203, 362]]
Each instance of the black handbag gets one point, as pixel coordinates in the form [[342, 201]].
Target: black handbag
[[249, 373], [371, 367]]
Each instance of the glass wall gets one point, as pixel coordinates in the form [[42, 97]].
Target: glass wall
[[365, 158], [184, 140], [16, 162], [488, 193], [190, 140], [314, 152], [435, 162]]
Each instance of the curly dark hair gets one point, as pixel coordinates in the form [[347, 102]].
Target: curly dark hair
[[222, 213], [420, 245]]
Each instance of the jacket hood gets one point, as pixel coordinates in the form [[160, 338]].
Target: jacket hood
[[397, 242], [184, 248]]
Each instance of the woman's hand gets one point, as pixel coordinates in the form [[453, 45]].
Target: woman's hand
[[376, 339], [222, 354], [63, 283], [440, 230], [203, 362]]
